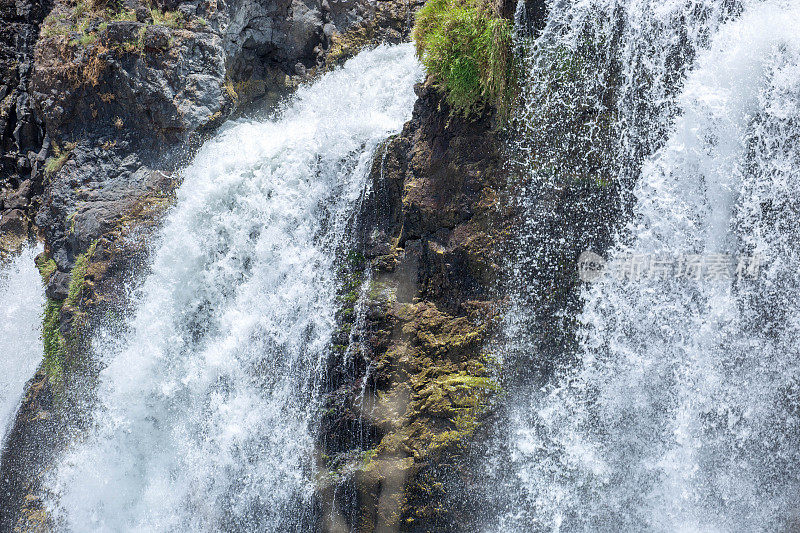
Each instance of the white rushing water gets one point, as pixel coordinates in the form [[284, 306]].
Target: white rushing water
[[680, 412], [22, 297], [207, 404]]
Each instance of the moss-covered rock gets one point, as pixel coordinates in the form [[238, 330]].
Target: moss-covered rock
[[399, 425], [53, 399]]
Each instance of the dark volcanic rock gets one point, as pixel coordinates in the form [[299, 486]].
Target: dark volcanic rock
[[21, 132], [431, 231]]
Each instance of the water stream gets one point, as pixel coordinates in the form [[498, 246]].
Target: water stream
[[677, 408], [22, 297], [208, 403]]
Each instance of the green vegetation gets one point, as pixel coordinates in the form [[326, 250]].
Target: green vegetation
[[88, 18], [367, 456], [77, 276], [84, 40], [52, 339], [55, 343], [60, 156], [170, 19], [466, 48], [134, 45], [46, 267]]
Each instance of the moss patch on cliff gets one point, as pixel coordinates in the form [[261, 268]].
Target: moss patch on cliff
[[46, 267], [466, 48], [59, 157], [434, 386], [55, 342]]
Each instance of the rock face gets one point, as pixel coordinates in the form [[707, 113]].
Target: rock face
[[414, 392], [121, 100], [21, 133], [421, 378]]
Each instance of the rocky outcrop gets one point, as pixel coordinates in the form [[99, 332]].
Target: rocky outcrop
[[422, 377], [21, 133], [123, 94], [409, 416]]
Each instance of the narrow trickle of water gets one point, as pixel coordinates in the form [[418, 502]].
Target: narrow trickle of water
[[207, 405], [22, 301], [677, 407]]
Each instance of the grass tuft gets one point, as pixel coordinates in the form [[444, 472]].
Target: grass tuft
[[60, 156], [170, 19], [466, 47]]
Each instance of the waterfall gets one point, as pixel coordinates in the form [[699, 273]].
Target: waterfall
[[676, 406], [22, 298], [209, 396]]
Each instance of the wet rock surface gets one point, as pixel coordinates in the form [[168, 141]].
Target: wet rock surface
[[420, 381], [21, 131]]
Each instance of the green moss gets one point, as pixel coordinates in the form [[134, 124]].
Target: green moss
[[467, 382], [367, 457], [77, 276], [59, 157], [53, 342], [467, 50], [351, 277], [71, 223], [46, 267]]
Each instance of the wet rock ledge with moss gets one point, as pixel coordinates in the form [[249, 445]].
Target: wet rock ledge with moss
[[402, 415], [413, 384]]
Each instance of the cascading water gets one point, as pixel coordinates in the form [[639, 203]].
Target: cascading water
[[207, 404], [598, 98], [677, 407], [20, 346]]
